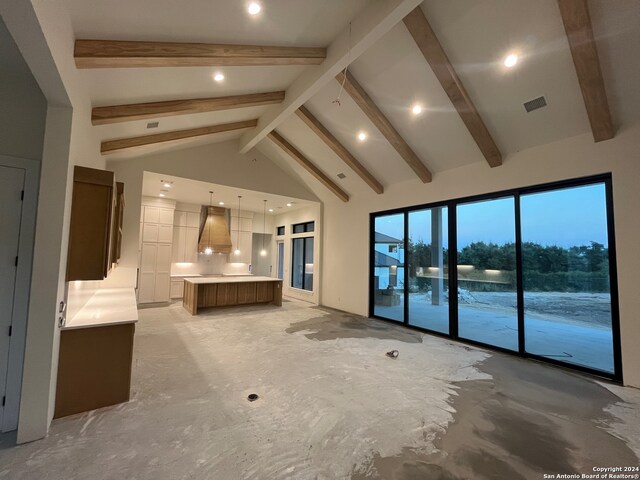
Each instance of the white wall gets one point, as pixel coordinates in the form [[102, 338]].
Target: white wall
[[218, 163], [346, 226], [287, 219], [23, 108]]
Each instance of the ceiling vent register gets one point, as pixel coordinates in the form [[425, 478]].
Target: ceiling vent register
[[535, 104]]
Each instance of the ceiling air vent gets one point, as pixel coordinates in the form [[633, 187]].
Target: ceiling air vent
[[153, 124], [535, 104], [341, 176]]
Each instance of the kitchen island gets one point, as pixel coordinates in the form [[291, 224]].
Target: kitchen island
[[204, 292]]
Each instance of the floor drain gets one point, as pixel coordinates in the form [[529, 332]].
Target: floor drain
[[252, 397]]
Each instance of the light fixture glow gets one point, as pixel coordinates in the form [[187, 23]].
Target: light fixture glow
[[254, 8], [236, 251], [362, 136], [263, 253], [208, 251], [289, 204], [271, 209], [511, 60], [162, 194], [220, 203], [218, 77], [416, 109], [168, 185]]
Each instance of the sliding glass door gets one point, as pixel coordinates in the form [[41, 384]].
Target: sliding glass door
[[388, 275], [531, 271], [487, 295], [567, 288], [428, 265]]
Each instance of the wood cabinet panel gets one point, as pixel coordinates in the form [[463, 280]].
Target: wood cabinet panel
[[207, 295], [92, 207], [94, 368], [227, 294], [264, 292], [246, 293]]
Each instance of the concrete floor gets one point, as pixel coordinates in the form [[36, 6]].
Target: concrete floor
[[331, 406]]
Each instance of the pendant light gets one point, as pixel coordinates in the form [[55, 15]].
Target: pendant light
[[237, 250], [263, 252], [209, 250]]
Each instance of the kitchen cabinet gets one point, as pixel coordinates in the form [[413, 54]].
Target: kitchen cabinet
[[91, 248], [185, 237], [116, 232], [177, 286], [157, 236]]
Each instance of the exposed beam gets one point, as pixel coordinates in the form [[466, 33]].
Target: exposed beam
[[577, 25], [126, 54], [124, 144], [371, 110], [139, 111], [435, 55], [368, 27], [308, 165], [332, 142]]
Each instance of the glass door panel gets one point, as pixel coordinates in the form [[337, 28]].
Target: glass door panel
[[388, 274], [565, 256], [427, 262], [487, 290]]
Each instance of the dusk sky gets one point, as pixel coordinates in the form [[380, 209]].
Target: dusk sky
[[567, 217]]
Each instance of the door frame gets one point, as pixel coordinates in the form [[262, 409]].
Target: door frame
[[280, 258], [22, 289]]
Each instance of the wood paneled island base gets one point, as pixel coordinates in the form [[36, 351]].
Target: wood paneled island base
[[204, 292]]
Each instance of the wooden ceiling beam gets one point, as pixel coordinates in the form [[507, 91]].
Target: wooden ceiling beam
[[305, 163], [127, 54], [126, 144], [371, 110], [434, 54], [140, 111], [577, 25], [340, 150]]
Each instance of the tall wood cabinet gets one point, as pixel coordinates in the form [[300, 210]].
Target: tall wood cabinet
[[95, 233]]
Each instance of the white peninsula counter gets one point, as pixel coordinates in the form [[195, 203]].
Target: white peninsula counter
[[204, 292]]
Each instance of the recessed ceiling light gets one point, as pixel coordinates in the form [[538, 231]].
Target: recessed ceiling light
[[162, 194], [416, 109], [271, 209], [168, 185], [254, 8], [218, 77], [511, 60], [362, 136], [220, 203], [289, 204]]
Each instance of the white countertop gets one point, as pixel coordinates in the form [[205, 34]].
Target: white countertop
[[108, 306], [231, 279]]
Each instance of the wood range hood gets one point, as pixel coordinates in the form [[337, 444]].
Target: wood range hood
[[214, 233]]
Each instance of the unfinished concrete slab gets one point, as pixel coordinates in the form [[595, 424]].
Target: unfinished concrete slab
[[331, 406]]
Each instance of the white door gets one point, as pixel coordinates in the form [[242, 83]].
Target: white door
[[11, 186]]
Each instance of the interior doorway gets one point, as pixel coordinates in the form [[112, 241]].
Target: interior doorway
[[281, 260], [18, 197]]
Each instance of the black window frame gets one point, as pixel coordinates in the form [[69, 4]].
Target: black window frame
[[451, 204], [304, 255], [307, 227], [280, 231]]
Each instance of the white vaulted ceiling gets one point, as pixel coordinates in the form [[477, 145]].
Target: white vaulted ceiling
[[476, 35]]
